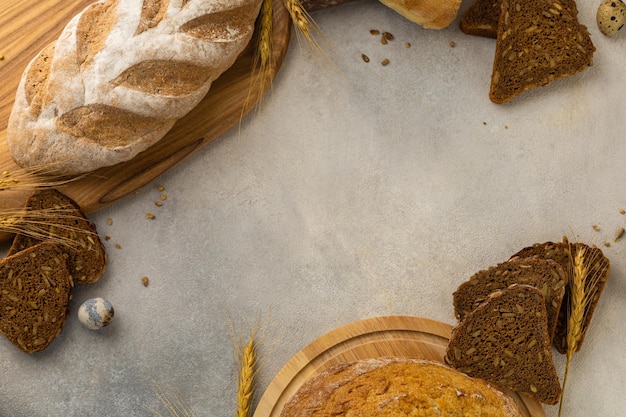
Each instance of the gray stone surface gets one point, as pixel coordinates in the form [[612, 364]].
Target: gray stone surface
[[355, 190]]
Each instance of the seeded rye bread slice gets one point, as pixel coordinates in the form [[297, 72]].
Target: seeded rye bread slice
[[393, 386], [546, 275], [35, 290], [481, 19], [594, 261], [505, 341], [66, 223], [538, 42]]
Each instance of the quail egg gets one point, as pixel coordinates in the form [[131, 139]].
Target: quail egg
[[611, 16], [95, 313]]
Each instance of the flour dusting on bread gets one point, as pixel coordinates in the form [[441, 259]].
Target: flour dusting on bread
[[119, 76]]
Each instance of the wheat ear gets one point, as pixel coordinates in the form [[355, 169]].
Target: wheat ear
[[581, 292], [245, 382], [307, 30]]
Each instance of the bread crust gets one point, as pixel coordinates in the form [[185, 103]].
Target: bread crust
[[430, 14], [395, 386], [119, 76]]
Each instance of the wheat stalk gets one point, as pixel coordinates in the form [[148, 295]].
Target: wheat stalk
[[266, 24], [43, 224], [582, 290], [245, 380], [175, 406], [34, 178], [307, 30]]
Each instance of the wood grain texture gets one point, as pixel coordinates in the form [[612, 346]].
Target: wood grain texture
[[405, 336], [27, 26]]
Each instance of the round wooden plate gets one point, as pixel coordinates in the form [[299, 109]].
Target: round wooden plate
[[26, 26], [406, 336]]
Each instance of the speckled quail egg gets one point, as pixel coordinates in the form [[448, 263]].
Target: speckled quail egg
[[95, 313], [611, 16]]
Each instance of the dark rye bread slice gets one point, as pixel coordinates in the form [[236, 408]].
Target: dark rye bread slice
[[481, 19], [63, 222], [594, 261], [546, 275], [505, 341], [35, 290], [538, 42]]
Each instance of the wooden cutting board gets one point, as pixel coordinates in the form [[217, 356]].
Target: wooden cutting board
[[26, 26], [405, 336]]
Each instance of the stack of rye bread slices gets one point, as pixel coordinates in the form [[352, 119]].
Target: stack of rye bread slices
[[512, 313], [537, 42], [61, 249]]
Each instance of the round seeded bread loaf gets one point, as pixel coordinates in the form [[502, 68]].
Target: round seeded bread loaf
[[395, 387]]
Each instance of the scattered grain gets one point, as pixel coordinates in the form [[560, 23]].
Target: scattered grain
[[407, 45], [158, 203], [118, 246], [618, 234], [596, 227], [452, 44], [388, 36], [109, 221], [145, 281], [163, 196], [375, 32], [622, 211], [385, 62], [150, 216], [161, 188]]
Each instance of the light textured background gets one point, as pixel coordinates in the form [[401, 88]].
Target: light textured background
[[354, 190]]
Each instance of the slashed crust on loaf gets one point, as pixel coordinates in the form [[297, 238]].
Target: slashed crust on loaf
[[119, 76], [395, 387]]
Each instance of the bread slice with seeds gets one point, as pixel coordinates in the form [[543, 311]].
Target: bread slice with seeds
[[60, 220], [505, 341], [35, 290], [546, 275], [597, 265], [481, 19], [538, 42]]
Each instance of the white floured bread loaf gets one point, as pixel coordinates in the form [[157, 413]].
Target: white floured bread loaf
[[119, 76]]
